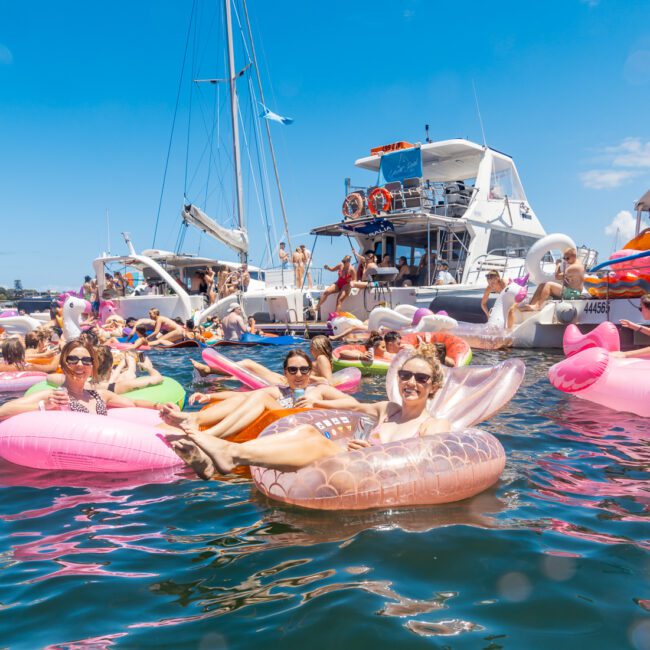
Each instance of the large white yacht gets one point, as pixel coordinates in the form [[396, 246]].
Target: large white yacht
[[461, 200]]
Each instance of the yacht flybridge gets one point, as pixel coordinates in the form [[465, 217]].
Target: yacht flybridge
[[462, 201]]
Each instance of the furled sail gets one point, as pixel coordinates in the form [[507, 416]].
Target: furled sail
[[234, 238]]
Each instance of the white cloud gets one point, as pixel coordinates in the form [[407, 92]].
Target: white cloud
[[6, 57], [632, 155], [632, 152], [606, 179], [623, 226]]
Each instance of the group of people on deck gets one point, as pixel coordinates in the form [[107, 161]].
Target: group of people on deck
[[301, 262]]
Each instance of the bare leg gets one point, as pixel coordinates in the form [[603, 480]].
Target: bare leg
[[208, 416], [262, 372], [203, 368], [288, 451], [343, 294], [328, 292], [238, 419]]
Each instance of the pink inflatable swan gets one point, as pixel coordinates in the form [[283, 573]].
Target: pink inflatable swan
[[417, 471], [590, 372]]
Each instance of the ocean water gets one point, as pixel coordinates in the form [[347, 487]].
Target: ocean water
[[554, 555]]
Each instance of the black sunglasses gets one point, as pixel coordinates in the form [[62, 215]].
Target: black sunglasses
[[294, 370], [420, 377], [73, 360], [566, 259]]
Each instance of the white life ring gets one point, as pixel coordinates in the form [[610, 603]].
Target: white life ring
[[555, 241]]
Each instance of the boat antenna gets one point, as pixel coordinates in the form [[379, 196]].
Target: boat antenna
[[268, 128], [478, 110], [426, 130]]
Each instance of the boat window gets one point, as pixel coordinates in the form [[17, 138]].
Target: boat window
[[510, 244], [504, 181]]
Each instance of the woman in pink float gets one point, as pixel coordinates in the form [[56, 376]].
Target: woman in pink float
[[79, 364], [419, 379]]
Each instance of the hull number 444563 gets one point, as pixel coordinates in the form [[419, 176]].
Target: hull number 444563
[[596, 307]]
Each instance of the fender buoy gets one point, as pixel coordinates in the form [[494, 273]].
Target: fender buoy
[[353, 206], [372, 200]]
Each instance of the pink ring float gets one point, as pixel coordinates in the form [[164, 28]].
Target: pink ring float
[[64, 440], [413, 472], [19, 381]]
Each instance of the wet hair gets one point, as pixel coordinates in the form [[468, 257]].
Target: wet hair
[[90, 336], [189, 323], [178, 320], [87, 278], [429, 354], [392, 337], [13, 351], [104, 361], [154, 312], [645, 300], [441, 352], [297, 353], [31, 340], [142, 330], [322, 345], [373, 339], [130, 320], [78, 343]]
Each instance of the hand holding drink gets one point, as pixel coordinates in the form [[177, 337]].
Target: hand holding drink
[[60, 400]]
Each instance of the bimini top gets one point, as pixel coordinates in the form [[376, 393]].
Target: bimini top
[[443, 161]]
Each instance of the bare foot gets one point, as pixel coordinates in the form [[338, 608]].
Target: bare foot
[[220, 451], [176, 418], [188, 451], [203, 369]]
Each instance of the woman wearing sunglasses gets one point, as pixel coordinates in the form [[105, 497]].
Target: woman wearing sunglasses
[[419, 379], [238, 410], [79, 364]]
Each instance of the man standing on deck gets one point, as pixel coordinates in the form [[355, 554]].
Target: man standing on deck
[[233, 324], [306, 253], [284, 256]]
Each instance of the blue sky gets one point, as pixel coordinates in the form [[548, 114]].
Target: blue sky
[[87, 95]]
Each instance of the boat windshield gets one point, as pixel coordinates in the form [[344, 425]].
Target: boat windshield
[[504, 181]]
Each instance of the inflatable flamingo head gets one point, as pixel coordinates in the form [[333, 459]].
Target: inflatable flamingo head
[[107, 308], [420, 314]]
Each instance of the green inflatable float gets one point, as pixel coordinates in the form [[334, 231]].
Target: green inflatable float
[[169, 391]]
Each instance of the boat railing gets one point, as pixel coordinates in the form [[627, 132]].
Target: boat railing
[[508, 262], [278, 277], [442, 199]]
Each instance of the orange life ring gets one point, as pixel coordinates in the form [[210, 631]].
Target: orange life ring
[[350, 212], [387, 200]]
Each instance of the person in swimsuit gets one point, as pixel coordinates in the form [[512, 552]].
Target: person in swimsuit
[[14, 358], [79, 365], [419, 379], [570, 276], [341, 286], [238, 410], [495, 285], [166, 331]]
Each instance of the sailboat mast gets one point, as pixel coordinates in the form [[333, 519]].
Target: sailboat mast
[[234, 115]]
